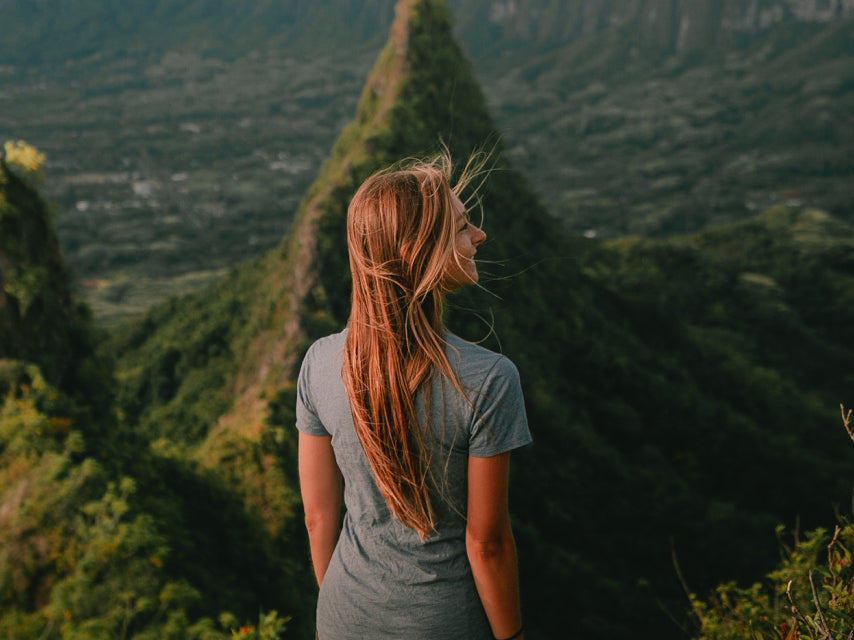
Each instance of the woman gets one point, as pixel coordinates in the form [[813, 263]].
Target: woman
[[418, 423]]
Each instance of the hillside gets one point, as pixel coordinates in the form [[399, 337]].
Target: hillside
[[40, 321], [675, 408], [655, 147], [200, 125], [100, 534]]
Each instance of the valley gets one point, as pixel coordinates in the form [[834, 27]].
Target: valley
[[172, 160]]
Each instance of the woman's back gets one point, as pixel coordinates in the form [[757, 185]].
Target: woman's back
[[383, 581]]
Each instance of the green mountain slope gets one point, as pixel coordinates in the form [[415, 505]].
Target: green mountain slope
[[673, 144], [672, 405], [102, 535], [40, 322]]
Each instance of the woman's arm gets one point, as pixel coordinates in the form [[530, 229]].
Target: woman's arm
[[489, 543], [320, 485]]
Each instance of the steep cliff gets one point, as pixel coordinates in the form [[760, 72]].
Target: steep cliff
[[40, 320], [666, 25]]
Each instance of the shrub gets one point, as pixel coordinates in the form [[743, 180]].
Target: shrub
[[809, 597]]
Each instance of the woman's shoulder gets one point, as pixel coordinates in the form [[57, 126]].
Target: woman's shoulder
[[330, 346], [469, 358]]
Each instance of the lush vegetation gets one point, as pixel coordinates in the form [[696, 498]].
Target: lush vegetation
[[103, 535], [810, 595], [682, 394]]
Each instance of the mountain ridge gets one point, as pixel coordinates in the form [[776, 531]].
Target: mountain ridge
[[299, 250], [678, 26]]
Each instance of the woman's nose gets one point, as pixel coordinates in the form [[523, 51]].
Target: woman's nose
[[479, 236]]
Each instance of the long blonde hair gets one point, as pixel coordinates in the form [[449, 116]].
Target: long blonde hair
[[400, 234]]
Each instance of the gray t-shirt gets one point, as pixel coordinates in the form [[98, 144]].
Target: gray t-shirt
[[383, 582]]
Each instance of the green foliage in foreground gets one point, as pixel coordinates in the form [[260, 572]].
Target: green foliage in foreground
[[810, 596], [81, 558]]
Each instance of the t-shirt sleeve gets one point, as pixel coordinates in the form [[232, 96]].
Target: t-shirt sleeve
[[500, 423], [308, 421]]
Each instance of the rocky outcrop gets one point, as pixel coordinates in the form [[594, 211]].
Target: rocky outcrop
[[678, 25]]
